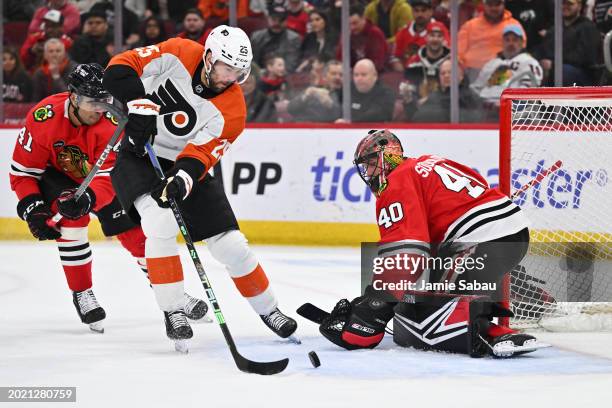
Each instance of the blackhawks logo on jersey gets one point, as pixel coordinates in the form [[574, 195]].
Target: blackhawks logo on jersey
[[73, 161], [112, 119], [43, 113]]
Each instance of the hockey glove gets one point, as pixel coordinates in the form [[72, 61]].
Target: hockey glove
[[33, 210], [179, 181], [72, 208], [358, 324], [141, 126]]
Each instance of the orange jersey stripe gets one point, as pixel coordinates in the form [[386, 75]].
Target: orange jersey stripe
[[252, 284], [167, 269], [189, 52], [233, 108]]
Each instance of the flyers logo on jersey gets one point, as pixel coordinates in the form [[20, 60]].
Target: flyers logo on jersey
[[43, 113], [73, 161], [178, 115]]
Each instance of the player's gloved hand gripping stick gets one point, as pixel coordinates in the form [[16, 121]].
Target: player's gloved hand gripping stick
[[122, 120], [243, 364]]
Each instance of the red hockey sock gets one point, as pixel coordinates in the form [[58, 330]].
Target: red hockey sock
[[76, 261]]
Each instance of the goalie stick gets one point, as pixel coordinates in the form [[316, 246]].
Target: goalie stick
[[121, 122], [243, 364]]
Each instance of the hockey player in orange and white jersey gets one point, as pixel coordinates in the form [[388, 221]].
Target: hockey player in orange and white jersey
[[185, 99], [63, 137]]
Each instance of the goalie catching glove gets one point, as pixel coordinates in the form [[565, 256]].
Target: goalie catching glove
[[358, 324], [179, 181]]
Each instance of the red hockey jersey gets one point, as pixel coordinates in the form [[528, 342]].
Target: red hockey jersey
[[50, 140], [431, 200]]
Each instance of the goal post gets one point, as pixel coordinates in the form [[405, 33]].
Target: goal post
[[555, 162]]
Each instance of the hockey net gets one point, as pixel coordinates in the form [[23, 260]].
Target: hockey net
[[555, 163]]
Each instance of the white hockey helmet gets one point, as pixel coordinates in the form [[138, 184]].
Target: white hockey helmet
[[231, 46]]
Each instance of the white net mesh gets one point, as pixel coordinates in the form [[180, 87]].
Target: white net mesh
[[565, 282]]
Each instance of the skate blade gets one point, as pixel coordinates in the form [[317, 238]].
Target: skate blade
[[294, 339], [204, 319], [182, 346], [96, 327], [509, 350]]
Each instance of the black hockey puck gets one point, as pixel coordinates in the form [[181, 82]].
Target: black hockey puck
[[314, 359]]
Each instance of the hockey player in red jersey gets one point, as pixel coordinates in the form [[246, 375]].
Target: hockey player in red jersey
[[63, 137], [184, 98], [430, 207]]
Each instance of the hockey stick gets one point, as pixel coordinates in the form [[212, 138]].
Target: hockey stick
[[243, 364], [122, 120], [312, 313], [538, 179]]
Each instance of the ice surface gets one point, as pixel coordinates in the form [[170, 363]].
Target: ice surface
[[132, 364]]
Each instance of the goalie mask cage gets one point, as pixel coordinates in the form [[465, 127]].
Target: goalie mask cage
[[555, 163]]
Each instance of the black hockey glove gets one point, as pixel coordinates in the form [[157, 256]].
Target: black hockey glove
[[33, 210], [73, 209], [141, 126], [179, 181], [358, 324]]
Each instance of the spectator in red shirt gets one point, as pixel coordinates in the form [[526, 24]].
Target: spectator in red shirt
[[367, 40], [32, 49], [297, 17], [194, 25], [274, 81], [72, 18], [412, 37]]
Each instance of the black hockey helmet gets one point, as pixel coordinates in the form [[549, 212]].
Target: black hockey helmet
[[376, 156], [86, 82]]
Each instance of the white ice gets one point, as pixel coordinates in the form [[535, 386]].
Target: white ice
[[132, 364]]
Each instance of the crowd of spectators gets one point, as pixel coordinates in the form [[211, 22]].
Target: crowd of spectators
[[399, 51]]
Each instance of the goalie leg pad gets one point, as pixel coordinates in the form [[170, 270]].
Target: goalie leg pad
[[444, 322]]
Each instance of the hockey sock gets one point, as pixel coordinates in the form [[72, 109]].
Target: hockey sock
[[231, 249], [75, 255], [166, 277], [133, 240]]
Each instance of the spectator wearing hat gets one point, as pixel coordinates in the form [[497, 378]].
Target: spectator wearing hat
[[535, 17], [367, 40], [480, 39], [389, 15], [277, 39], [297, 16], [409, 39], [52, 76], [260, 108], [95, 43], [17, 84], [513, 67], [69, 11], [194, 27], [32, 49], [581, 47], [423, 68], [130, 20]]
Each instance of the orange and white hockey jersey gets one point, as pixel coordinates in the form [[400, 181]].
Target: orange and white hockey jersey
[[191, 123]]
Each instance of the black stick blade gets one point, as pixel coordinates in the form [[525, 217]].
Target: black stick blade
[[312, 313], [262, 368]]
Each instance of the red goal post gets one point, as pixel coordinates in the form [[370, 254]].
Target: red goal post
[[555, 150]]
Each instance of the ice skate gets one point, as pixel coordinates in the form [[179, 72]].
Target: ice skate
[[283, 326], [178, 330], [506, 343], [89, 310]]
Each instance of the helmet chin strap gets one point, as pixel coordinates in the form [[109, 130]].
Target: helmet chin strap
[[75, 109]]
